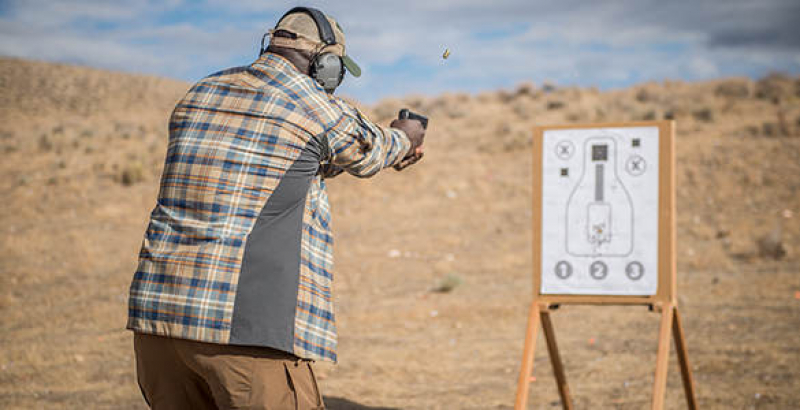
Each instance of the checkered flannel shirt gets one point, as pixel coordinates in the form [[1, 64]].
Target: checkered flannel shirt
[[238, 249]]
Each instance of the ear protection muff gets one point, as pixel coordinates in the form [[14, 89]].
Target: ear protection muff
[[327, 69]]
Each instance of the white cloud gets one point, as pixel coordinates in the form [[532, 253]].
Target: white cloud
[[399, 45], [703, 67]]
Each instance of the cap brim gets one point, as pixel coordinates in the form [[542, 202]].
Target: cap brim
[[351, 66]]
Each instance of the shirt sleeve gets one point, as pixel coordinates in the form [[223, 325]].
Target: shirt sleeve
[[361, 147]]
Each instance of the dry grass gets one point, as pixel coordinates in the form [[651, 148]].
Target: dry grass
[[82, 154]]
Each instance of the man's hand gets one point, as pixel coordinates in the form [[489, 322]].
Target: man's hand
[[416, 134], [413, 130]]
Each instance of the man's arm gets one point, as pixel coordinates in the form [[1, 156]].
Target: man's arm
[[363, 148], [328, 170]]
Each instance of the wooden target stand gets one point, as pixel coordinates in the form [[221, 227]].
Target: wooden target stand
[[663, 301]]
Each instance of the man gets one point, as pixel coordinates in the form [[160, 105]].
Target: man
[[231, 299]]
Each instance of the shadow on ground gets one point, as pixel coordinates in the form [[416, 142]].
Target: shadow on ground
[[338, 403]]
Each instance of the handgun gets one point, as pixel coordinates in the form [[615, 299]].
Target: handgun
[[406, 114]]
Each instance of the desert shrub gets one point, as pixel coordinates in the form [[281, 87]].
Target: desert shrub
[[580, 115], [752, 130], [645, 95], [650, 115], [775, 87], [45, 143], [505, 96], [448, 283], [526, 89], [502, 130], [770, 129], [703, 114], [771, 246], [455, 112], [734, 88], [132, 173]]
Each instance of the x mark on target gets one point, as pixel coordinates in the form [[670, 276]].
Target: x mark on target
[[636, 165], [565, 149]]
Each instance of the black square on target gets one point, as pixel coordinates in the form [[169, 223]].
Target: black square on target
[[600, 152]]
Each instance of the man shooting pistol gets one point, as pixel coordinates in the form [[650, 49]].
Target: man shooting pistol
[[232, 298]]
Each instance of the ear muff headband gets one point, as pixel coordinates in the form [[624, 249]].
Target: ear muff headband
[[323, 25]]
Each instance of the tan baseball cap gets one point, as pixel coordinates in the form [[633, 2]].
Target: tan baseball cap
[[308, 38]]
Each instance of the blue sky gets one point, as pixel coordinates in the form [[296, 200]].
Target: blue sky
[[494, 44]]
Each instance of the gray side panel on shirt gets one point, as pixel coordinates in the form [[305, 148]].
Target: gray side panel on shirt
[[266, 293]]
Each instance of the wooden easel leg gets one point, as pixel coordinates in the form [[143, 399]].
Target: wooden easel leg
[[683, 359], [662, 359], [555, 358], [527, 357]]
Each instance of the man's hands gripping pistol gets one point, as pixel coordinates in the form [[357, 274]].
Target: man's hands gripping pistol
[[414, 125]]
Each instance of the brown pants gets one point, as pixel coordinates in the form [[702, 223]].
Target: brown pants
[[183, 374]]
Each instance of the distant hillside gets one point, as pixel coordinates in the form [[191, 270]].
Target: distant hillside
[[32, 88], [737, 138]]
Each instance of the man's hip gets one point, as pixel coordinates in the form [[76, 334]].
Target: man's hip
[[184, 374]]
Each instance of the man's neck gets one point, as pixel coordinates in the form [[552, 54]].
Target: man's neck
[[301, 60]]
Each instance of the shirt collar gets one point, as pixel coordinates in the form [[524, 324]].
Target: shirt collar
[[277, 62]]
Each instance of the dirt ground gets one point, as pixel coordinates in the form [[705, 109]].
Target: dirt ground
[[82, 153]]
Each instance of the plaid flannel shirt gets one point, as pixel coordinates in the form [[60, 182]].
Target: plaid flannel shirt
[[238, 249]]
